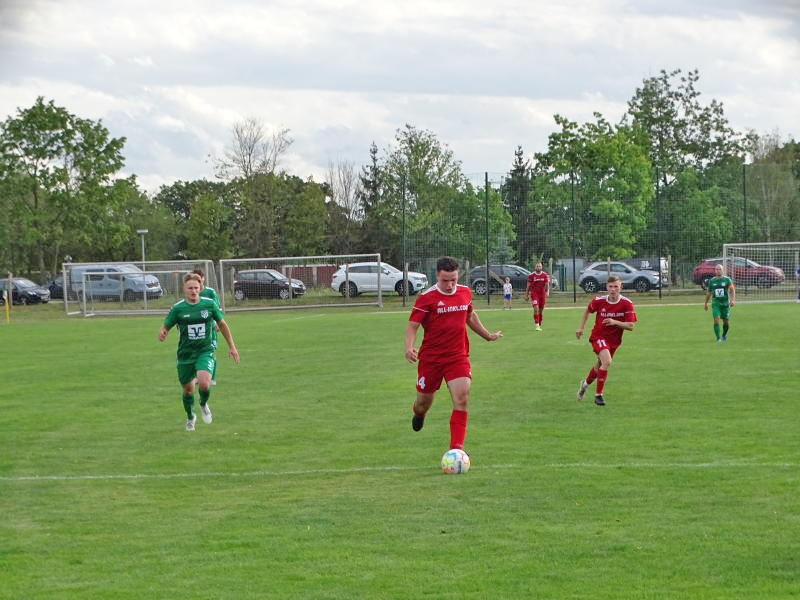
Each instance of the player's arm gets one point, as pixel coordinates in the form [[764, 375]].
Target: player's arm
[[169, 321], [547, 287], [708, 297], [579, 331], [475, 324], [528, 290], [162, 333], [226, 333], [732, 293], [409, 339], [626, 325]]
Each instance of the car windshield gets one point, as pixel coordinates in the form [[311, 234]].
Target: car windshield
[[277, 274], [390, 268], [25, 283], [129, 269]]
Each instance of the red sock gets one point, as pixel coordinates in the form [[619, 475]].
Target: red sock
[[601, 380], [458, 428], [590, 377], [540, 318]]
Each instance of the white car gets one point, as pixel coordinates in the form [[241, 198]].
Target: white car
[[363, 277]]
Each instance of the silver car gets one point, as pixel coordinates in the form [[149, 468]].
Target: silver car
[[594, 277]]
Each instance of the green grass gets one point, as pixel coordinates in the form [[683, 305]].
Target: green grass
[[311, 484]]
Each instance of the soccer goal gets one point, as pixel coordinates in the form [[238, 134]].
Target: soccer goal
[[764, 272], [303, 282], [120, 288]]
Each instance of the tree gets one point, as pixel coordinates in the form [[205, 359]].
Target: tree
[[60, 167], [345, 209], [677, 130], [515, 198], [208, 229], [252, 150]]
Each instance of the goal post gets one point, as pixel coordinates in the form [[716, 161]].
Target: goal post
[[286, 282], [128, 288], [763, 272]]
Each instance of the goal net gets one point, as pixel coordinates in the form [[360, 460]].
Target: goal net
[[304, 282], [119, 288], [765, 272]]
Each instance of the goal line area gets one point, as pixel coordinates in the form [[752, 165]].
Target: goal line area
[[763, 272]]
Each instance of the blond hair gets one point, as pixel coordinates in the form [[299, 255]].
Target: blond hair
[[192, 277]]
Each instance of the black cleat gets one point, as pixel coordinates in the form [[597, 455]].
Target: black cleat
[[598, 399], [417, 422]]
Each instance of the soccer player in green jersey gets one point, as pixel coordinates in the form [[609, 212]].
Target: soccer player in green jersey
[[195, 318], [206, 292], [721, 289]]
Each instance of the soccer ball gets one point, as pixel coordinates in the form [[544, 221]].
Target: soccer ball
[[455, 461]]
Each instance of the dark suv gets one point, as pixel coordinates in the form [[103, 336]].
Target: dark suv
[[743, 271], [24, 291], [265, 283], [497, 274]]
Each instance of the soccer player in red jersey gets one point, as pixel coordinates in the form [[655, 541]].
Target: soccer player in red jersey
[[444, 310], [538, 290], [615, 314]]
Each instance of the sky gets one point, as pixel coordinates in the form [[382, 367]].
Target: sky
[[172, 77]]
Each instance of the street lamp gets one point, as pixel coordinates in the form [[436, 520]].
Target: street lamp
[[141, 232]]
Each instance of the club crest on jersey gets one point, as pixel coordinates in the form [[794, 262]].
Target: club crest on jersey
[[204, 314]]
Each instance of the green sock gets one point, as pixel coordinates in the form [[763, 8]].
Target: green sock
[[188, 401], [716, 330], [204, 397], [725, 328]]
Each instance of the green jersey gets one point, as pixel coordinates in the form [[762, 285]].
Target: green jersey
[[196, 323], [210, 293], [718, 288]]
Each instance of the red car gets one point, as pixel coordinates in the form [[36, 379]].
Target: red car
[[743, 271]]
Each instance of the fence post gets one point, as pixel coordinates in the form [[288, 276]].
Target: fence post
[[574, 274], [486, 197], [744, 202], [405, 268]]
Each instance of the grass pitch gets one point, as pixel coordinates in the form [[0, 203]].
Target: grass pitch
[[311, 484]]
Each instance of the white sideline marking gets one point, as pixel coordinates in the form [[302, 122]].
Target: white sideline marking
[[574, 465]]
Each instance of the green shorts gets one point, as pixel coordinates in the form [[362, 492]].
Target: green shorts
[[203, 362], [720, 310]]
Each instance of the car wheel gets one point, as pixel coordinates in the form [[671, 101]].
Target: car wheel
[[129, 296], [399, 288], [284, 293], [352, 292], [23, 301], [641, 285], [763, 282], [479, 287], [704, 281], [238, 294], [589, 285]]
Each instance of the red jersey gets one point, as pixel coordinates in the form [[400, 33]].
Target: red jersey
[[444, 318], [621, 310], [538, 282]]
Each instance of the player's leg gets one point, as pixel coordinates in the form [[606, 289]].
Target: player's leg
[[535, 307], [459, 392], [542, 301], [604, 358], [589, 379], [205, 365], [186, 375], [715, 312], [429, 378], [724, 314]]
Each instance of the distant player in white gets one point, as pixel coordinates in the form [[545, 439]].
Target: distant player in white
[[508, 289]]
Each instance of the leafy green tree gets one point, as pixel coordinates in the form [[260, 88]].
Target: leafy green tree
[[59, 164], [303, 227], [516, 191], [208, 229]]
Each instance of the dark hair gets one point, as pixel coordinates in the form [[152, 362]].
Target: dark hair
[[447, 263], [200, 272]]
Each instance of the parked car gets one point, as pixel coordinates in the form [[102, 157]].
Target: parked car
[[25, 291], [743, 271], [265, 283], [363, 277], [497, 274], [56, 287], [107, 282], [594, 277]]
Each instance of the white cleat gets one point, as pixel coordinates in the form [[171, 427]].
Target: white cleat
[[205, 412], [582, 389], [190, 423], [538, 328]]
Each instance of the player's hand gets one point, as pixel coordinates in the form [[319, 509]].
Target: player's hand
[[234, 353], [579, 333], [494, 336], [731, 302], [411, 355], [162, 334], [705, 307]]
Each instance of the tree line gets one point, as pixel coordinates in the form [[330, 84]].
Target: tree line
[[671, 177]]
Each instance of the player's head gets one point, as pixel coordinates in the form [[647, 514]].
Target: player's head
[[447, 274], [537, 267], [202, 275], [192, 284], [613, 285], [508, 279], [719, 270]]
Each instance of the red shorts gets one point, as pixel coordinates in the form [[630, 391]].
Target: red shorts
[[600, 344], [430, 374], [538, 300]]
